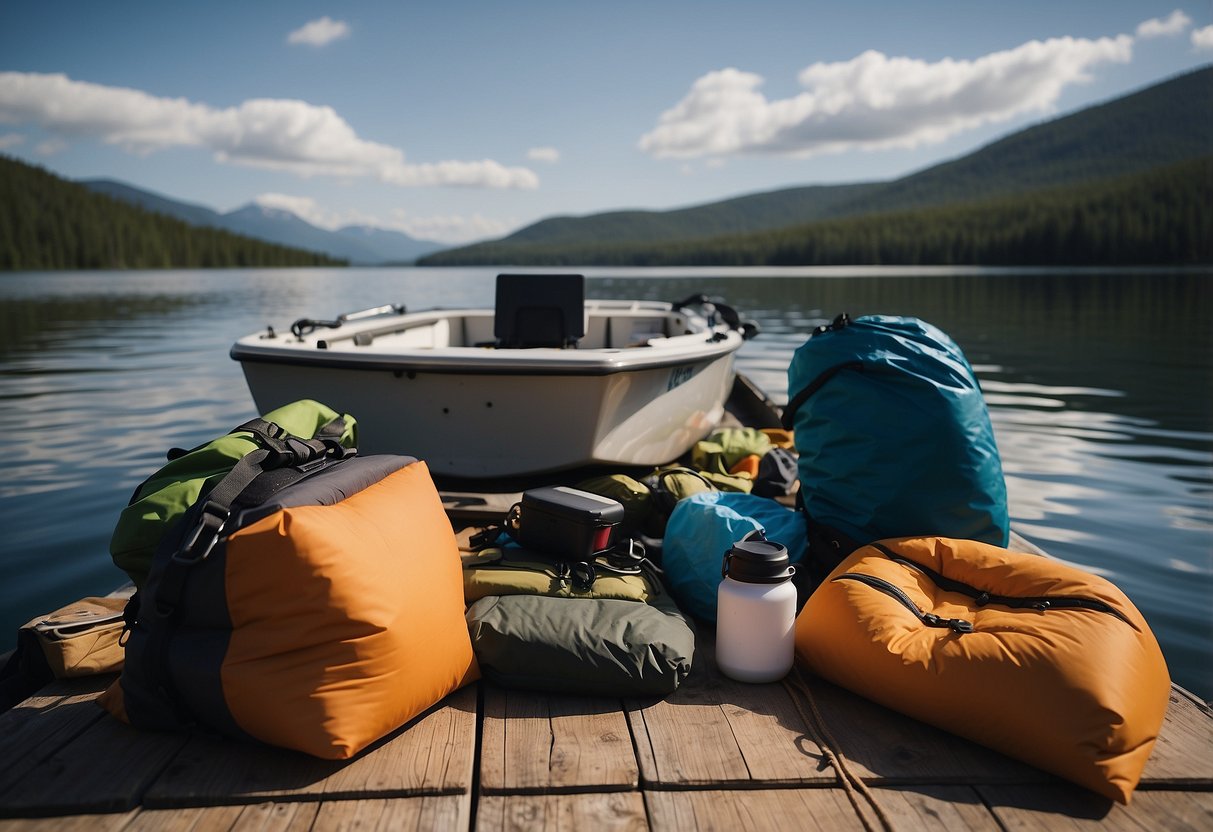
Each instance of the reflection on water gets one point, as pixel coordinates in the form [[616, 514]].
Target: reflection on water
[[1100, 388]]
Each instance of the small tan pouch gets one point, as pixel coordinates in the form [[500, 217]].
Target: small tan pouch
[[82, 638]]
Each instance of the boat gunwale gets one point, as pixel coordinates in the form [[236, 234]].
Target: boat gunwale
[[317, 349], [704, 348], [456, 365]]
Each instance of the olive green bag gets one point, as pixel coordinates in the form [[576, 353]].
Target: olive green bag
[[163, 498], [594, 646], [603, 625]]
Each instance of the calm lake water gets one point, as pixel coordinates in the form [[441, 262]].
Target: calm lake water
[[1100, 386]]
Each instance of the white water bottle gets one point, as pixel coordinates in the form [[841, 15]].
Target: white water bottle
[[756, 611]]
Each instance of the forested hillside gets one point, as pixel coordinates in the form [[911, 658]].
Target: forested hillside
[[50, 223], [1163, 125], [1163, 216]]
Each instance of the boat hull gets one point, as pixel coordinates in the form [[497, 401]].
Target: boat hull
[[495, 424]]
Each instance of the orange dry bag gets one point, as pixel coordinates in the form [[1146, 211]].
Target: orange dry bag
[[313, 603], [1041, 661]]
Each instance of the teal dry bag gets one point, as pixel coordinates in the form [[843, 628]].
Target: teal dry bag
[[894, 438]]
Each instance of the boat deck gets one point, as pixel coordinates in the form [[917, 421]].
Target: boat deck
[[717, 754]]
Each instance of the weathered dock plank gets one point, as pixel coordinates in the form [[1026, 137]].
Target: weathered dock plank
[[41, 725], [608, 811], [547, 743], [931, 808], [714, 731], [107, 768], [72, 823], [888, 748], [423, 814], [1183, 755], [919, 809], [1033, 807], [727, 810], [432, 755], [263, 817]]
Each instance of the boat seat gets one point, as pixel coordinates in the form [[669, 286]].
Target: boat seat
[[539, 310]]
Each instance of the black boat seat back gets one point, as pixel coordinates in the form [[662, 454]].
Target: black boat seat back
[[539, 310]]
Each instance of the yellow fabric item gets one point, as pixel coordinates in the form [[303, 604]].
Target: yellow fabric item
[[341, 629], [780, 438], [1080, 693]]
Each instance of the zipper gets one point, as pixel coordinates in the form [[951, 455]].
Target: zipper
[[981, 597], [957, 625]]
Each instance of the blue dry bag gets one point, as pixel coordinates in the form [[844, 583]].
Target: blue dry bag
[[704, 526], [894, 438]]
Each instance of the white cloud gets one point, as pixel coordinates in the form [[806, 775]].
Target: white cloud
[[1173, 24], [279, 134], [50, 147], [11, 140], [303, 207], [543, 154], [450, 229], [320, 32], [453, 229], [1203, 38], [873, 101]]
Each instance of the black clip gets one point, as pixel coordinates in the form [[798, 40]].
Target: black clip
[[213, 519], [581, 574], [485, 537]]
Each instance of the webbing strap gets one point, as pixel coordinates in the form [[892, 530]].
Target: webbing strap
[[789, 411], [298, 457]]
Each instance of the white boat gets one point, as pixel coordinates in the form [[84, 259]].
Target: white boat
[[546, 381]]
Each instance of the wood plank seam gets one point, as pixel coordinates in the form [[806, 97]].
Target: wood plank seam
[[477, 756]]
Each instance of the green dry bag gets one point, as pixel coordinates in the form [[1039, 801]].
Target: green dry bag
[[162, 499]]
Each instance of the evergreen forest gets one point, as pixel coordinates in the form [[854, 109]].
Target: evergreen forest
[[1161, 217], [50, 223]]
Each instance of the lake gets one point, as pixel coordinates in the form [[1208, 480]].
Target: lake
[[1100, 387]]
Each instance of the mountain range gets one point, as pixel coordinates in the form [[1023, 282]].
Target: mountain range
[[1167, 123], [1125, 182], [359, 244]]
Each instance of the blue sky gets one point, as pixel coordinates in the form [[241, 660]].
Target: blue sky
[[466, 120]]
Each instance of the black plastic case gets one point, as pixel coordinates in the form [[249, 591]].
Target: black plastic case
[[566, 523]]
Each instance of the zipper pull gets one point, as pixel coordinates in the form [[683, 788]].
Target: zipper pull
[[957, 625]]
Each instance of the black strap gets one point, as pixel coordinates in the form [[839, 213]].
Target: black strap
[[841, 321], [296, 459], [332, 430], [794, 404], [206, 528]]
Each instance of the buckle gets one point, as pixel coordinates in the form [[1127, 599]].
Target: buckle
[[211, 523]]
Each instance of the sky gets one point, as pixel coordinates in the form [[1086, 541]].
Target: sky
[[459, 121]]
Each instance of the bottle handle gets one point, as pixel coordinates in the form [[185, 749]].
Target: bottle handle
[[757, 534]]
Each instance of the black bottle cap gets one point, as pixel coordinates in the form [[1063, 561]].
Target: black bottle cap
[[757, 561]]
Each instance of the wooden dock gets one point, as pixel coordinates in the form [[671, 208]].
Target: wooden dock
[[718, 754]]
